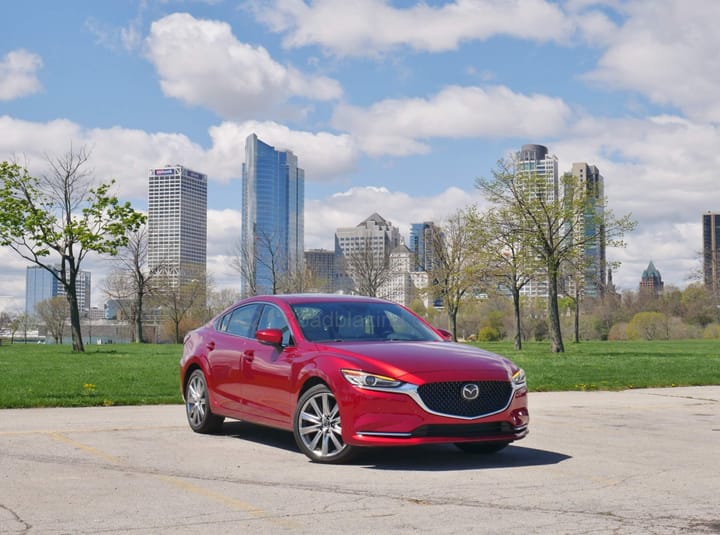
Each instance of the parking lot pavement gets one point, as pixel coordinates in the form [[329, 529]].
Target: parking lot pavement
[[637, 461]]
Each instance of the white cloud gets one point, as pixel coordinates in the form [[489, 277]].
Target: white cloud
[[202, 63], [126, 155], [666, 50], [351, 207], [401, 126], [322, 155], [371, 27], [18, 74]]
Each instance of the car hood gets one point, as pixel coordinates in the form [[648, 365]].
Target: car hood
[[413, 361]]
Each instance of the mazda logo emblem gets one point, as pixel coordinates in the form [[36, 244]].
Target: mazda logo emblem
[[470, 391]]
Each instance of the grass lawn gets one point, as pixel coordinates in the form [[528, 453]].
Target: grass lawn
[[124, 374], [616, 365], [36, 375]]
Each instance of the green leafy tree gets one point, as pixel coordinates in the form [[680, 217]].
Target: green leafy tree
[[456, 270], [555, 228], [497, 238], [56, 219]]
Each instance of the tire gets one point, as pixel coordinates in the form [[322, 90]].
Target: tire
[[317, 427], [481, 447], [197, 405]]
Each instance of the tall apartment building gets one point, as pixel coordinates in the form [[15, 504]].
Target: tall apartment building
[[273, 216], [177, 223], [535, 160], [711, 251], [40, 285], [594, 230]]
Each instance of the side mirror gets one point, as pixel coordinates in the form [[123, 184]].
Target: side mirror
[[447, 335], [270, 336]]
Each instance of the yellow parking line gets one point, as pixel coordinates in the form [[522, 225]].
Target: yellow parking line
[[232, 502], [180, 483], [87, 449]]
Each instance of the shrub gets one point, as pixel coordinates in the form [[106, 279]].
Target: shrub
[[488, 334], [712, 331], [648, 326]]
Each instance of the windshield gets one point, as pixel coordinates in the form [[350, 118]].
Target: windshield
[[354, 321]]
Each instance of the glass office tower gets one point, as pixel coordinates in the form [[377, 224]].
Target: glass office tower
[[41, 285], [273, 218]]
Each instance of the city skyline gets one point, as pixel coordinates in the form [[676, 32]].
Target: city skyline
[[393, 106]]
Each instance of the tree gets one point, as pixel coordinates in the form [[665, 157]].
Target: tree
[[648, 326], [243, 261], [456, 270], [55, 220], [219, 300], [511, 263], [178, 301], [368, 267], [556, 229], [54, 313], [129, 285], [263, 265]]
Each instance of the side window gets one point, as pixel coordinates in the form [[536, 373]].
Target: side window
[[241, 321], [222, 323], [273, 318]]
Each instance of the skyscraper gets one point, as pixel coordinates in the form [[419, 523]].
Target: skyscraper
[[711, 251], [273, 217], [534, 160], [422, 237], [593, 228], [177, 223], [40, 285]]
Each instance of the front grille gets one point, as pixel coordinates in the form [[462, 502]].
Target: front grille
[[446, 398]]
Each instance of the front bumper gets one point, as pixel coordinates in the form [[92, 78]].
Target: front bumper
[[372, 418]]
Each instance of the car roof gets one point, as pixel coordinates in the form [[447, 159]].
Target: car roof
[[316, 298]]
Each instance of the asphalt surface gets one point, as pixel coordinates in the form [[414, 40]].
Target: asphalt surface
[[638, 461]]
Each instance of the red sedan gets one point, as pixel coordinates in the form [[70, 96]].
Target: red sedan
[[343, 372]]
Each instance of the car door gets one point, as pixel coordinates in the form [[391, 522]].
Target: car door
[[227, 349], [267, 371]]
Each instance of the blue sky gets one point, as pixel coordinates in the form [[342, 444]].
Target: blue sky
[[392, 107]]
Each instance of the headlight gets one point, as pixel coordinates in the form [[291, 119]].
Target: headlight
[[370, 380], [518, 378]]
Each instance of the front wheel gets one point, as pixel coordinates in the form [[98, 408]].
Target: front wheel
[[481, 447], [197, 405], [317, 427]]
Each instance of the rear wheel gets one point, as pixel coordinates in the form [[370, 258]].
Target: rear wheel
[[197, 405], [481, 447], [317, 427]]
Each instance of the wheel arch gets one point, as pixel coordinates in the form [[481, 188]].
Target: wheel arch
[[311, 381], [187, 373]]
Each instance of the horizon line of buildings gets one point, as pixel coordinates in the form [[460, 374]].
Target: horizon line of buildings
[[272, 235]]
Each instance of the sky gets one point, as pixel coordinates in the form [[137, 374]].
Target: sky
[[391, 106]]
